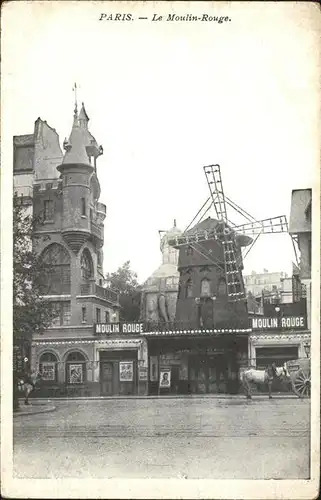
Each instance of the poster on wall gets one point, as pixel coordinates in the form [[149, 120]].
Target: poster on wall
[[75, 374], [48, 371], [126, 372], [142, 373], [165, 379]]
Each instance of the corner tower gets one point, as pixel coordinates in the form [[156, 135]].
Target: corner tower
[[82, 216]]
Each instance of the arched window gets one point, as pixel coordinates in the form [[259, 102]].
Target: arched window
[[221, 289], [86, 265], [189, 288], [75, 368], [48, 367], [205, 288], [55, 279]]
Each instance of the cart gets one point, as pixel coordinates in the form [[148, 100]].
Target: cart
[[300, 375]]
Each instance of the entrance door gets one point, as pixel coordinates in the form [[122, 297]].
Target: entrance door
[[198, 374], [106, 378]]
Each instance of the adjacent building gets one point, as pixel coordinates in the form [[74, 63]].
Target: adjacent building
[[159, 292], [284, 331], [64, 190]]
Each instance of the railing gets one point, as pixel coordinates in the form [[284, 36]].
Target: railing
[[107, 293], [97, 231], [188, 326], [101, 207], [91, 288]]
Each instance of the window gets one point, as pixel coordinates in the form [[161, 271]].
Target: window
[[99, 259], [48, 210], [75, 368], [61, 312], [98, 317], [84, 315], [86, 265], [55, 279], [189, 288], [221, 289], [205, 288], [83, 206], [107, 317], [189, 251], [48, 367]]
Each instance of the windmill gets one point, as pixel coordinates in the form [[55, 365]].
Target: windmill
[[228, 234]]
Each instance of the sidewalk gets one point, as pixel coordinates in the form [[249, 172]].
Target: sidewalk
[[35, 407]]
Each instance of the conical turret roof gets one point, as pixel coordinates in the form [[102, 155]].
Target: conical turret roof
[[81, 142]]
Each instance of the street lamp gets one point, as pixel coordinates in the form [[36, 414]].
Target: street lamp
[[307, 348], [277, 309]]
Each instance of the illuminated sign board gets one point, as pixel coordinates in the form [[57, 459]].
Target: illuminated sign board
[[121, 328], [285, 323]]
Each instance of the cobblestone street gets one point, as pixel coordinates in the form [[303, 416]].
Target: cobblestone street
[[164, 438]]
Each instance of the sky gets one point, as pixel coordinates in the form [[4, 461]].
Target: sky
[[165, 99]]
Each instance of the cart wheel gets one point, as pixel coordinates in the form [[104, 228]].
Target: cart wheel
[[302, 384]]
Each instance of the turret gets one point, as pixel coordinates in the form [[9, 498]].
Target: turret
[[80, 185]]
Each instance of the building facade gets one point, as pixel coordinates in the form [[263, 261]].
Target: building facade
[[284, 331], [300, 227], [203, 347], [63, 191]]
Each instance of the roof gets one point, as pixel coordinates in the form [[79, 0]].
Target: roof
[[300, 216], [165, 271], [209, 224], [82, 114], [76, 152], [24, 140], [81, 142]]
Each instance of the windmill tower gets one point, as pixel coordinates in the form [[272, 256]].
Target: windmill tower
[[211, 287]]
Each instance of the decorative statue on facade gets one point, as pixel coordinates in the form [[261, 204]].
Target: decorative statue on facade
[[159, 294]]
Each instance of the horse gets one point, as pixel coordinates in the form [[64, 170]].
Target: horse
[[27, 384], [258, 377]]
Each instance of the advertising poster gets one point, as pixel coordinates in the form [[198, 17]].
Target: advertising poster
[[75, 374], [165, 379], [142, 373], [126, 372], [48, 371]]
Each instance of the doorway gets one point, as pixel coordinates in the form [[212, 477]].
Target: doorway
[[208, 374], [107, 378]]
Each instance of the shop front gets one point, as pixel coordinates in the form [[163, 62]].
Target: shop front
[[196, 363], [109, 364], [278, 340], [121, 366]]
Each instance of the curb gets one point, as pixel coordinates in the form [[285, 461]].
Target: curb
[[220, 397], [36, 411]]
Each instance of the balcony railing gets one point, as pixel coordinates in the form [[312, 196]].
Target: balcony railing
[[188, 326], [91, 288], [106, 293], [97, 231]]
